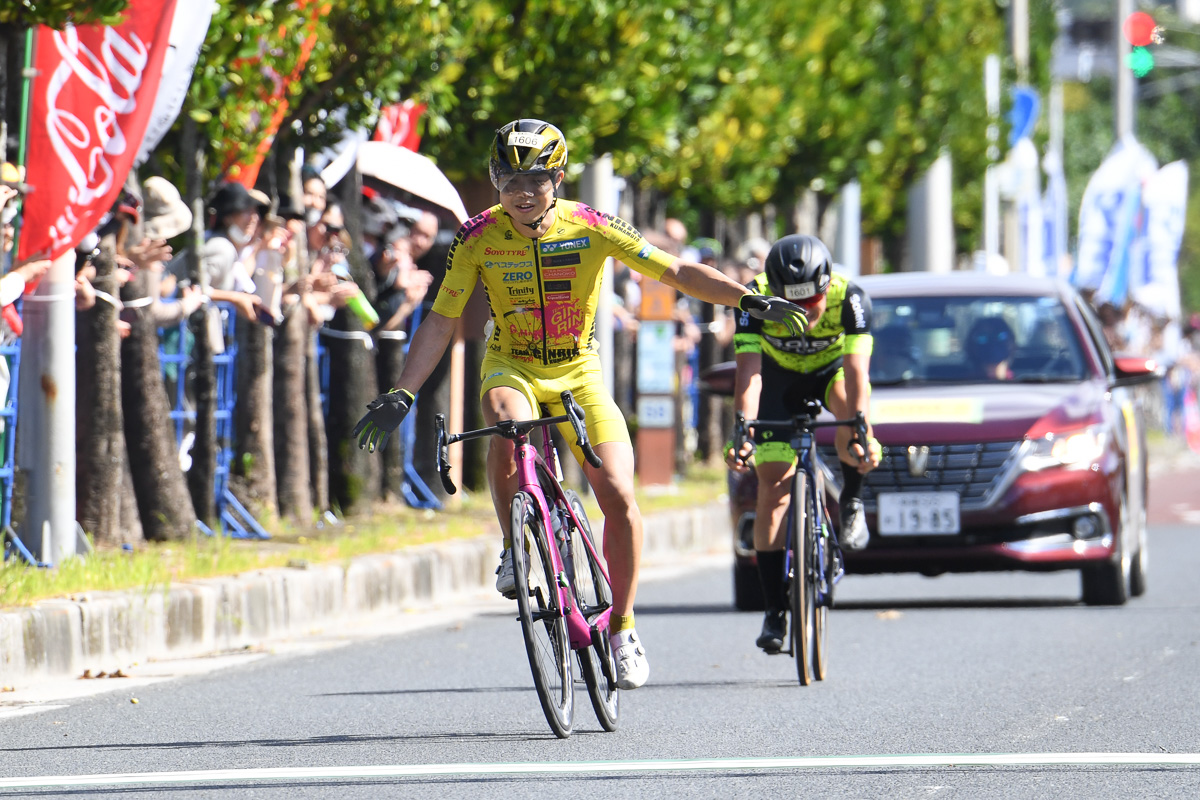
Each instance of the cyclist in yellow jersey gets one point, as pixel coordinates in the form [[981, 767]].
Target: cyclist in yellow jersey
[[540, 259], [778, 371]]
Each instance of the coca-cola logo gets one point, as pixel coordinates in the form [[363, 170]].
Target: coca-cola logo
[[86, 148]]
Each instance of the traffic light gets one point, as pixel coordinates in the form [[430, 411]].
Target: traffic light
[[1141, 32]]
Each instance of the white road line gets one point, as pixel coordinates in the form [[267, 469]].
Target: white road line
[[615, 767]]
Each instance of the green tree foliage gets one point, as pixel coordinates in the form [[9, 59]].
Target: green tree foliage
[[59, 13]]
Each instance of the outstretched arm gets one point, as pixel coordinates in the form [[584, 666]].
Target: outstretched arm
[[426, 350], [704, 283]]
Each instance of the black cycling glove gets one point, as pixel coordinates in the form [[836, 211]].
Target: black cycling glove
[[775, 309], [384, 415]]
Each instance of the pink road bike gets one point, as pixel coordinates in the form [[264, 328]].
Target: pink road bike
[[564, 598]]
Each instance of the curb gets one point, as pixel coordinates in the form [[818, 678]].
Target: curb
[[97, 631]]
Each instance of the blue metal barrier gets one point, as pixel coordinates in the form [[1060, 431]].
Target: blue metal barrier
[[13, 546], [236, 521]]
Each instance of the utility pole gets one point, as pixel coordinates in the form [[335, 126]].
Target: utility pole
[[1124, 86]]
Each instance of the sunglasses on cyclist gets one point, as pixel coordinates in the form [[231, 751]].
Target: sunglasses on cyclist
[[533, 184]]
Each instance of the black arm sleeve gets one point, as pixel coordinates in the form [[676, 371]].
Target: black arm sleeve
[[856, 310]]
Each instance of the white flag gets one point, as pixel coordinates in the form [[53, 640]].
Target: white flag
[[1104, 221], [188, 29], [1154, 279]]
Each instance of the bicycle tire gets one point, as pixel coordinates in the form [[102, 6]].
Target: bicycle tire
[[822, 560], [594, 595], [802, 591], [543, 626]]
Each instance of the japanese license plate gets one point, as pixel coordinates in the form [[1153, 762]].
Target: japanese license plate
[[918, 513]]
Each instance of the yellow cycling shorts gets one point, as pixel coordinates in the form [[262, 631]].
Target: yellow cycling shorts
[[543, 386]]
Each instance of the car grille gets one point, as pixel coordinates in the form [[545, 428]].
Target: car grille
[[972, 470]]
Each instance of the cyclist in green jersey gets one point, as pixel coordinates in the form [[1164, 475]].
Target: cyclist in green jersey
[[778, 372], [540, 259]]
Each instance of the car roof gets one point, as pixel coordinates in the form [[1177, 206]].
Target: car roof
[[960, 283]]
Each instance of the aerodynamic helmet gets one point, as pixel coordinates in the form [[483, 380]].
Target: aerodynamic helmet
[[527, 147], [798, 268]]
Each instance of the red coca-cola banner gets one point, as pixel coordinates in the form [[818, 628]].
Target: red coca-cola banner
[[398, 124], [91, 101]]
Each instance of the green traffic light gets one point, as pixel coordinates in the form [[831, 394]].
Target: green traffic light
[[1141, 61]]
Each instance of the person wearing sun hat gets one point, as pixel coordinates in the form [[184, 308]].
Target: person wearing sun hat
[[166, 214]]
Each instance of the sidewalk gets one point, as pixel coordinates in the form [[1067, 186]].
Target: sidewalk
[[107, 631], [1174, 484]]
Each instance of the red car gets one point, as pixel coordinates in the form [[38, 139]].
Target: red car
[[1012, 438]]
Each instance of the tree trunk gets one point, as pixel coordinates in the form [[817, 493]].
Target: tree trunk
[[202, 477], [353, 472], [163, 502], [318, 442], [292, 476], [255, 446], [99, 436], [389, 361]]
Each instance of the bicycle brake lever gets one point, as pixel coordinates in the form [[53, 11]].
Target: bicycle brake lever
[[578, 422], [443, 459]]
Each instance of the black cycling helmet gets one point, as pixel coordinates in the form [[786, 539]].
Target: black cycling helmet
[[799, 268], [527, 147]]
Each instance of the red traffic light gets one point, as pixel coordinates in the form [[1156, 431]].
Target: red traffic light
[[1139, 29]]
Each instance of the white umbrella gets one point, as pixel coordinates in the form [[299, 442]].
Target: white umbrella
[[412, 172]]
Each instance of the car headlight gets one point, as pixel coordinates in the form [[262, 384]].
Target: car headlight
[[1071, 449]]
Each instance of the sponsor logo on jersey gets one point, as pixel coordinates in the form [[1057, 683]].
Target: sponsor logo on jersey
[[860, 318], [508, 235], [496, 251], [508, 264], [560, 273], [558, 286], [451, 292], [566, 245], [521, 291], [562, 261], [621, 226], [646, 251], [558, 296], [805, 346], [514, 277]]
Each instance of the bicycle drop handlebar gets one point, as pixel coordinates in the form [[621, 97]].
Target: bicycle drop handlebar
[[513, 430], [801, 422]]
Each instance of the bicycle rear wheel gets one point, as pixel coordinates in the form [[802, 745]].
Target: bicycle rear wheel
[[802, 590], [542, 623], [594, 595]]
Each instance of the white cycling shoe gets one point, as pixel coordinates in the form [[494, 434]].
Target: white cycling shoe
[[506, 584], [632, 667]]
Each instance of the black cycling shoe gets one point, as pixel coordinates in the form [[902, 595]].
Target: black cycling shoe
[[773, 630], [853, 534]]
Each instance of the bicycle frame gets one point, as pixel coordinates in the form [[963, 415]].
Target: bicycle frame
[[579, 621]]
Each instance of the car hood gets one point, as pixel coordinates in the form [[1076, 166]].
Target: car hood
[[981, 412]]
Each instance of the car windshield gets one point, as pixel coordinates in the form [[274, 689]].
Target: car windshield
[[973, 340]]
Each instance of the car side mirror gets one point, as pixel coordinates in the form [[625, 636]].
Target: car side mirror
[[1135, 371]]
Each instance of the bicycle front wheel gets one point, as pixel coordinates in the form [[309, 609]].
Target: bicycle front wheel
[[594, 595], [823, 566], [542, 623], [802, 590]]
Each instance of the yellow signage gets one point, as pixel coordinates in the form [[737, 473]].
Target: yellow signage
[[895, 410]]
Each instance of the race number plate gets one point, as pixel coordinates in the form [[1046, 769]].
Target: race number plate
[[918, 514]]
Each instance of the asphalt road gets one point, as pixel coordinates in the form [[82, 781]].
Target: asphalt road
[[921, 669]]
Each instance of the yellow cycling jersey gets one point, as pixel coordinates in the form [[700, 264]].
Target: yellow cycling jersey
[[542, 292]]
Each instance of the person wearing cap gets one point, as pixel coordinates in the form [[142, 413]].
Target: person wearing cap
[[165, 217], [233, 216], [31, 270]]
